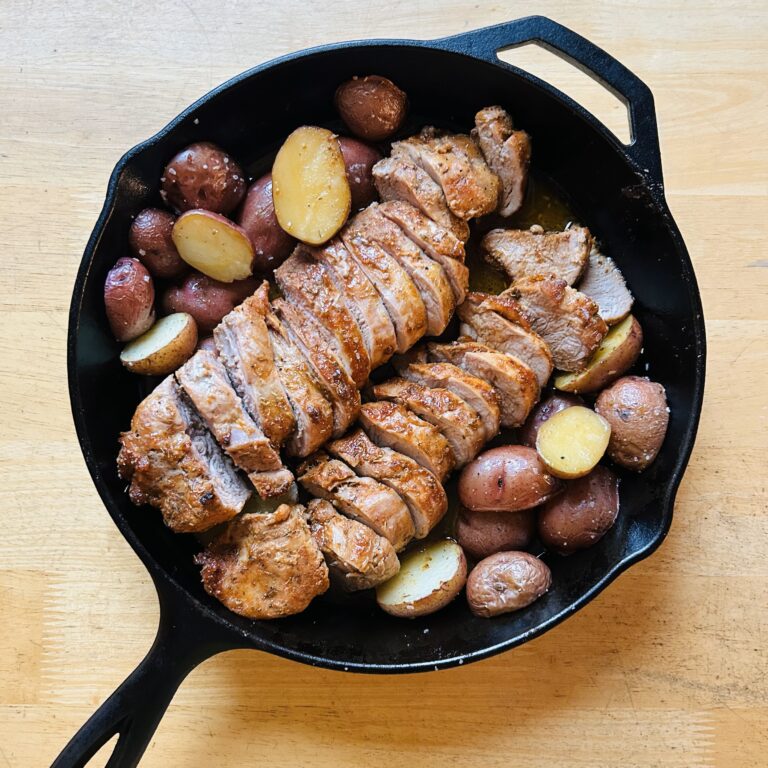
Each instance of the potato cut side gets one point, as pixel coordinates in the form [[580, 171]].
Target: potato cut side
[[310, 189], [168, 344], [616, 354], [571, 442], [214, 245], [429, 578]]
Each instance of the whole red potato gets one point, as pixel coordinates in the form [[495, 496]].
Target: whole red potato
[[129, 297], [151, 243]]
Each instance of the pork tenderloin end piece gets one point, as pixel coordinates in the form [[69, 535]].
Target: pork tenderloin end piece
[[265, 565], [603, 282]]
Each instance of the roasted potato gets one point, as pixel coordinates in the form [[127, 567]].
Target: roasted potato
[[168, 344], [582, 514], [616, 354], [372, 107], [359, 160], [309, 185], [508, 478], [213, 245], [207, 300], [272, 245], [481, 534], [546, 408], [571, 442], [430, 577], [151, 243], [636, 408], [506, 582], [203, 176], [129, 298]]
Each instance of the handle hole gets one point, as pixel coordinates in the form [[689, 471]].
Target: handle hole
[[102, 756], [547, 65]]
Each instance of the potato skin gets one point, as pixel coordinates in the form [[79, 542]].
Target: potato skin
[[272, 245], [359, 160], [203, 176], [206, 299], [506, 582], [484, 533], [546, 408], [129, 298], [151, 243], [372, 107], [509, 478], [582, 514], [636, 408]]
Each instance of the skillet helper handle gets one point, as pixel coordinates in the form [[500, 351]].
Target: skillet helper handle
[[134, 710], [593, 61]]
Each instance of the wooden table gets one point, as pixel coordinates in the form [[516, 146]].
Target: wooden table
[[669, 667]]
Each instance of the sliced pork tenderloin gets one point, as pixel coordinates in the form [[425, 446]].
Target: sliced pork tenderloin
[[603, 282]]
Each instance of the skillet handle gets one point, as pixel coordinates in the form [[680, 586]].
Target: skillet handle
[[586, 56], [134, 710]]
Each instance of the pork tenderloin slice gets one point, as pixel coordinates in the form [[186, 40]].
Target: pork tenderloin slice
[[336, 385], [567, 320], [427, 275], [603, 282], [391, 425], [313, 413], [397, 178], [507, 152], [265, 565], [482, 320], [173, 463], [269, 485], [417, 486], [305, 283], [476, 392], [513, 380], [456, 420], [243, 344], [357, 557], [360, 498], [527, 252], [362, 299]]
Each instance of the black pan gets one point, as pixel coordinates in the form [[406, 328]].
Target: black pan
[[615, 189]]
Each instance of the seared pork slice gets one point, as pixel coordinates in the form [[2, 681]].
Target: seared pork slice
[[205, 381], [496, 321], [313, 413], [397, 178], [336, 385], [514, 381], [567, 320], [357, 557], [391, 425], [436, 241], [397, 291], [447, 411], [417, 486], [527, 252], [456, 164], [243, 344], [605, 285], [305, 283], [172, 462], [362, 298], [360, 498], [507, 152], [264, 566], [474, 391], [427, 275]]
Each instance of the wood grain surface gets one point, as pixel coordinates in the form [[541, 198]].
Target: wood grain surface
[[668, 667]]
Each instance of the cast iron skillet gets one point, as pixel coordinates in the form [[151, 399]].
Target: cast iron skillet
[[616, 189]]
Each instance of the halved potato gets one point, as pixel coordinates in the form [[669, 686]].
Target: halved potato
[[616, 354], [310, 189], [429, 578], [168, 344], [213, 245], [573, 441]]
